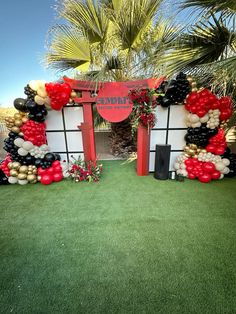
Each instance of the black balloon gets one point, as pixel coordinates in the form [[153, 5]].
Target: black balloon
[[49, 157], [57, 156], [175, 91], [200, 135], [29, 92], [20, 104], [3, 178], [38, 162], [36, 112]]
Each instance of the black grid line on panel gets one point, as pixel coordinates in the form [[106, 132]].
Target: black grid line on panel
[[172, 151], [170, 129], [64, 127], [168, 123], [62, 131]]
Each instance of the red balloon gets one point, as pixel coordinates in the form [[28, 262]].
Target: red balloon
[[57, 168], [215, 175], [195, 161], [219, 150], [46, 179], [210, 148], [206, 177], [57, 176], [208, 167], [191, 175], [41, 171], [50, 171], [201, 113], [56, 163], [188, 162]]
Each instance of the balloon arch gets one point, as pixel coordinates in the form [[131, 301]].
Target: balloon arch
[[205, 156]]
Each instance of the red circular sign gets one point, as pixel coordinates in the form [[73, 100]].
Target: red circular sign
[[113, 102]]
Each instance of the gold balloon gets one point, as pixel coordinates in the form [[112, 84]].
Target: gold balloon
[[191, 152], [194, 89], [15, 129], [193, 146], [30, 172], [10, 165], [24, 119], [31, 177], [35, 171], [17, 116], [23, 169], [22, 176], [190, 79], [18, 122], [13, 173], [21, 134], [16, 165], [73, 94], [38, 178]]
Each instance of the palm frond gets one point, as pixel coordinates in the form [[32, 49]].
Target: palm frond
[[133, 20], [68, 49], [226, 6], [87, 15], [205, 42]]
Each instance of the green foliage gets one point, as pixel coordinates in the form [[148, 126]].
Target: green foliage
[[111, 39]]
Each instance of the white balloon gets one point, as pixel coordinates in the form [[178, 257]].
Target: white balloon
[[226, 161], [176, 165], [204, 119], [184, 173], [27, 145], [44, 147], [225, 170], [22, 152], [221, 176], [196, 125], [22, 182], [33, 84], [19, 141], [42, 92], [220, 166], [194, 118], [12, 180], [39, 100]]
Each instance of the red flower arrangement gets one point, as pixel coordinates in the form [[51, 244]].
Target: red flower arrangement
[[80, 170], [143, 109]]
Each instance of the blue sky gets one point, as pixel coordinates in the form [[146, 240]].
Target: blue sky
[[23, 28]]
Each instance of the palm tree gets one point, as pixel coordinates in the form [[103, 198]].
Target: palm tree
[[108, 40], [210, 44], [207, 49]]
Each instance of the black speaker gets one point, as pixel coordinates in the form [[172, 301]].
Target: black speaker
[[162, 161]]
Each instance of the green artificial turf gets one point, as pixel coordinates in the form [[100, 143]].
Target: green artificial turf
[[127, 244]]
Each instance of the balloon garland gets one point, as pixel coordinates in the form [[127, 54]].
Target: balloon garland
[[29, 159], [203, 156], [206, 156]]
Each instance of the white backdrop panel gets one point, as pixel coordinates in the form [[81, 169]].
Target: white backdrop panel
[[74, 141], [177, 117], [54, 120], [176, 139], [157, 137], [56, 141], [73, 117], [161, 114]]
